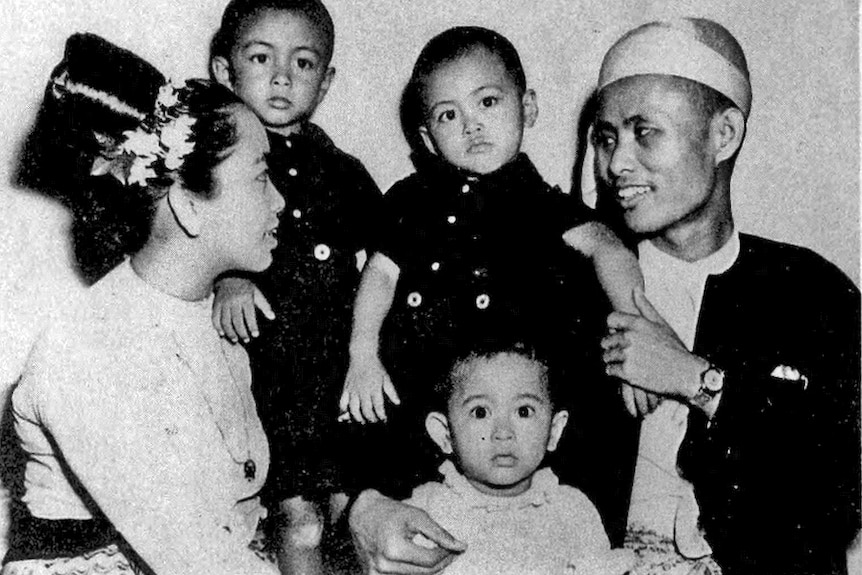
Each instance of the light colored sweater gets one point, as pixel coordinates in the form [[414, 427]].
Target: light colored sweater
[[132, 403], [549, 529]]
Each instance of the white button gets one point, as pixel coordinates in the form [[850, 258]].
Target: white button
[[321, 252], [414, 299], [292, 171], [465, 188], [288, 143], [482, 301], [296, 213], [451, 219], [435, 266]]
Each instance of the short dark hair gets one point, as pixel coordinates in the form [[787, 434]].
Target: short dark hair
[[446, 47], [460, 363], [238, 13]]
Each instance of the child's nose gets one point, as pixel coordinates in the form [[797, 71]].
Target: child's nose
[[282, 74], [472, 123], [503, 429]]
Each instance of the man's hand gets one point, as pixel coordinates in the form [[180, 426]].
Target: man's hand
[[383, 530], [234, 315], [645, 352], [364, 388]]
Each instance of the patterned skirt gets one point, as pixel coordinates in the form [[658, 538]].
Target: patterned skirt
[[658, 555], [108, 560]]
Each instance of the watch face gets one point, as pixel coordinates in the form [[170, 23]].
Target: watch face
[[713, 379]]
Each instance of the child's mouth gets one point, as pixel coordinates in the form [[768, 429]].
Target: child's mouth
[[504, 460], [279, 103], [478, 147]]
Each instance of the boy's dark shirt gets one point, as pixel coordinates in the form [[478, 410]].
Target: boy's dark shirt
[[482, 258], [300, 359]]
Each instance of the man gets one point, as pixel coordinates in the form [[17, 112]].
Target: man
[[772, 446], [760, 339]]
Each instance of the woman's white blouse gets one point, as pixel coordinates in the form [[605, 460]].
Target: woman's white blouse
[[133, 405]]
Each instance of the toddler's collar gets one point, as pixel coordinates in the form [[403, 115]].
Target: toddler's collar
[[544, 484]]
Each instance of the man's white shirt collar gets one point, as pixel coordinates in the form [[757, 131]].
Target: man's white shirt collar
[[675, 287]]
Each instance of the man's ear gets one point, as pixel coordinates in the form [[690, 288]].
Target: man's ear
[[184, 206], [220, 68], [727, 130], [531, 108], [437, 426], [558, 424], [428, 140], [325, 84]]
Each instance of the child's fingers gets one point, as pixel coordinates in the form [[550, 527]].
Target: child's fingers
[[354, 407], [216, 319], [641, 401], [389, 390], [628, 394], [262, 304], [227, 324], [378, 405], [237, 320], [367, 407], [344, 400], [250, 317]]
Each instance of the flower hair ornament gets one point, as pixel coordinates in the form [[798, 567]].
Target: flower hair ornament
[[155, 148]]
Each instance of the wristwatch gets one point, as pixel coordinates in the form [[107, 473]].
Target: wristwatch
[[711, 384]]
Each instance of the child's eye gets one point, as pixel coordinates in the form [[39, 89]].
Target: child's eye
[[489, 101], [259, 58], [526, 411], [479, 412], [305, 64], [446, 116]]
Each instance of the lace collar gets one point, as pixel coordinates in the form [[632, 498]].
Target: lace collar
[[541, 490]]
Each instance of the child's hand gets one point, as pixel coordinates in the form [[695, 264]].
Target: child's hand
[[234, 306], [662, 432], [366, 383]]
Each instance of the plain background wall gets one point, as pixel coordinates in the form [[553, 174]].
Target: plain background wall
[[796, 179]]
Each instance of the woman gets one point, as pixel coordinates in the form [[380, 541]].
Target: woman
[[144, 450]]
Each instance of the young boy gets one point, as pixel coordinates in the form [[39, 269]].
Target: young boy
[[497, 418], [275, 54], [477, 238]]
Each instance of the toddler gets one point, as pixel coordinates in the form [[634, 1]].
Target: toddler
[[475, 237], [497, 420], [275, 55]]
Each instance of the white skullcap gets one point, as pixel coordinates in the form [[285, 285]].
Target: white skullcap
[[672, 48]]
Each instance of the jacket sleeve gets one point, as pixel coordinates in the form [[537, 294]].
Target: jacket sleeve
[[780, 458]]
